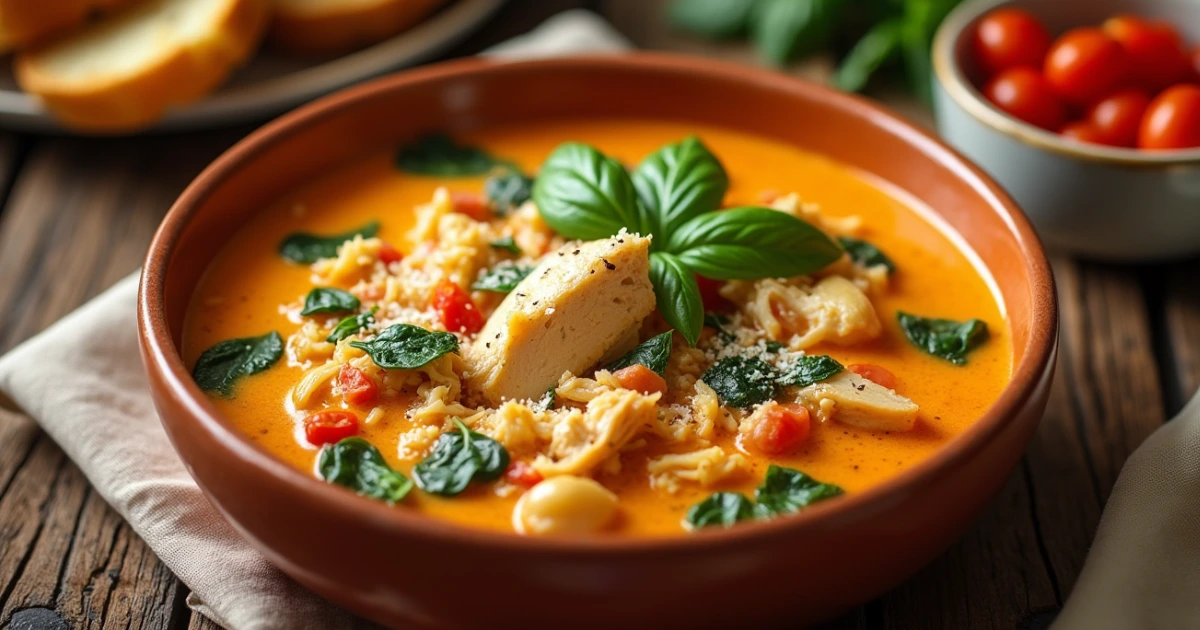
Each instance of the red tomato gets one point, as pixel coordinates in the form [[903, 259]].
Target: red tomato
[[1083, 131], [1024, 94], [357, 388], [1085, 64], [1009, 38], [389, 254], [640, 378], [456, 309], [1196, 62], [780, 428], [327, 427], [1155, 51], [1118, 117], [710, 293], [1173, 119], [522, 474], [471, 204], [875, 373]]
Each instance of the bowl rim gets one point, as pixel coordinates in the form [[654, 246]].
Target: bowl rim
[[162, 359], [950, 75]]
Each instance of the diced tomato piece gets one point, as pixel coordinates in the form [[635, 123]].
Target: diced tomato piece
[[780, 428], [328, 427], [710, 293], [389, 254], [357, 388], [768, 196], [456, 309], [523, 474], [640, 378], [471, 204], [875, 373]]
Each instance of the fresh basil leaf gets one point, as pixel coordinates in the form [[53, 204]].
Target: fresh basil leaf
[[679, 182], [507, 244], [944, 338], [583, 194], [678, 295], [301, 247], [407, 347], [548, 400], [351, 325], [507, 191], [866, 254], [355, 463], [742, 382], [809, 369], [711, 18], [750, 243], [653, 353], [325, 300], [784, 491], [786, 29], [875, 48], [458, 458], [438, 155], [220, 367], [722, 509], [502, 278]]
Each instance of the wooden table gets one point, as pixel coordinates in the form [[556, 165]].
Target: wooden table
[[77, 214]]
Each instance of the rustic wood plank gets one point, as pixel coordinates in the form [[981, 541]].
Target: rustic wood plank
[[1182, 307], [200, 622]]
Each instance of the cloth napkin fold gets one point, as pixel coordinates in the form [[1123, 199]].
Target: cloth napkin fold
[[101, 414]]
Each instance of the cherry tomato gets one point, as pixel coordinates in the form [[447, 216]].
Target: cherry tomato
[[1173, 119], [471, 204], [1083, 131], [1085, 65], [522, 474], [640, 378], [357, 388], [780, 428], [1118, 117], [710, 293], [875, 373], [1025, 94], [1009, 38], [389, 254], [1155, 51], [456, 309], [327, 427], [1196, 62]]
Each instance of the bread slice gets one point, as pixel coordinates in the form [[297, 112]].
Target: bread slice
[[26, 22], [337, 26], [124, 72]]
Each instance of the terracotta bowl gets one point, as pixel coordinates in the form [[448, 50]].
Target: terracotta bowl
[[404, 569]]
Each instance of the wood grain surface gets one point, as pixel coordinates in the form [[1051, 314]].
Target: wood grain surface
[[77, 214]]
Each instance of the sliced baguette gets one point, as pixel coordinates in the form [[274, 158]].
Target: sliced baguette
[[26, 22], [124, 72], [335, 26]]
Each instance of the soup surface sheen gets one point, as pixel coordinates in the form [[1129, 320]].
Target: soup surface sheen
[[249, 290]]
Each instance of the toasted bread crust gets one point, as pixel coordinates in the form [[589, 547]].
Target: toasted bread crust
[[24, 23], [340, 30], [117, 104]]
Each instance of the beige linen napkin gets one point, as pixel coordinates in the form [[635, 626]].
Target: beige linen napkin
[[101, 414]]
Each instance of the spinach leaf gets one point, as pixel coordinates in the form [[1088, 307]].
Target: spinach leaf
[[351, 325], [219, 367], [507, 244], [354, 463], [742, 382], [458, 458], [407, 347], [325, 300], [677, 294], [438, 155], [718, 322], [875, 48], [679, 182], [721, 508], [301, 247], [548, 400], [750, 243], [507, 191], [711, 18], [652, 353], [809, 369], [944, 338], [784, 491], [583, 194], [502, 278], [866, 254], [786, 29], [774, 347]]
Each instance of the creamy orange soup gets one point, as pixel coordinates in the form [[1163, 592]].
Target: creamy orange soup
[[251, 290]]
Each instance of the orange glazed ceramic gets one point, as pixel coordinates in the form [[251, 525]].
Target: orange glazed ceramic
[[406, 569]]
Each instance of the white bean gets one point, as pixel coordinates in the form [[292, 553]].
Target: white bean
[[564, 505]]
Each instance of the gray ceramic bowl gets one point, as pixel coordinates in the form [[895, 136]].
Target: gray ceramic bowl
[[1086, 199]]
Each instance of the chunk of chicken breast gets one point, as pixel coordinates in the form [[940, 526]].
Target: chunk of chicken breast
[[856, 401]]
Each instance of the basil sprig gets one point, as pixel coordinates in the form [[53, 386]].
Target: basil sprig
[[302, 247], [943, 338], [458, 458], [675, 195], [653, 353], [354, 463], [220, 367], [407, 347], [326, 300], [783, 491]]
